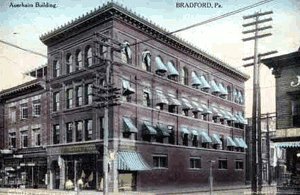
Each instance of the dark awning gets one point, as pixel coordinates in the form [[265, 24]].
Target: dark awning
[[149, 129], [129, 126], [162, 130], [127, 89], [131, 161]]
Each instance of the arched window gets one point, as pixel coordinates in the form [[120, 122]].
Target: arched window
[[78, 60], [56, 68], [88, 56], [126, 53], [146, 61], [69, 63], [184, 76]]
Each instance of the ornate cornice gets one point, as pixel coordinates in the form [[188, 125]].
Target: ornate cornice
[[116, 11]]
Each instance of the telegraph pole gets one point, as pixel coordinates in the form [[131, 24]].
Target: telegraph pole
[[256, 112], [106, 96]]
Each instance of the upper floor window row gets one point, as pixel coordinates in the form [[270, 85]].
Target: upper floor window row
[[74, 61]]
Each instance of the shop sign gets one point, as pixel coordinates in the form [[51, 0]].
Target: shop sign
[[291, 132], [79, 149]]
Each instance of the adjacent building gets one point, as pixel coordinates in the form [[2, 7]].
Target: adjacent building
[[180, 108], [24, 128], [286, 71]]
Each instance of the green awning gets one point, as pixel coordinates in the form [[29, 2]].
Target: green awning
[[230, 142], [127, 89], [206, 110], [162, 130], [295, 144], [149, 129], [160, 66], [214, 87], [173, 101], [242, 119], [194, 132], [129, 126], [184, 130], [242, 141], [204, 137], [131, 161], [196, 107], [161, 98], [204, 82], [224, 114], [171, 69], [223, 91], [216, 112], [216, 139], [186, 104], [238, 142], [195, 80]]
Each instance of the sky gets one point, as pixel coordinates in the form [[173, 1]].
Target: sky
[[221, 38]]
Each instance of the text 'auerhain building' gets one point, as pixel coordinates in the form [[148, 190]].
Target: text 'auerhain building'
[[180, 108]]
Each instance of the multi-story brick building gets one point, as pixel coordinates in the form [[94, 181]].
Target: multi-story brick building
[[24, 128], [180, 107], [286, 71]]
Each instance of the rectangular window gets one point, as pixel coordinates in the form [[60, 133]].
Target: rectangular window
[[79, 129], [78, 96], [296, 113], [195, 163], [171, 138], [36, 137], [222, 163], [36, 109], [24, 111], [239, 164], [56, 134], [69, 98], [160, 161], [12, 140], [69, 129], [24, 139], [12, 115], [146, 99], [88, 94], [56, 101], [88, 130]]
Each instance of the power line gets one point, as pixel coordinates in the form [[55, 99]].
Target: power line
[[209, 20], [27, 50]]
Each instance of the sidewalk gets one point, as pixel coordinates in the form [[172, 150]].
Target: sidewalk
[[230, 190]]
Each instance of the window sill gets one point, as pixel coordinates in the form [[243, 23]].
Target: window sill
[[160, 168]]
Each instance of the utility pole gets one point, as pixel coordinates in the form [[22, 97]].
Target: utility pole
[[106, 96], [256, 112]]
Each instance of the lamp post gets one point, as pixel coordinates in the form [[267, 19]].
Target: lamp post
[[211, 176]]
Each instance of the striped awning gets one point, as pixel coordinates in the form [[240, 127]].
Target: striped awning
[[171, 69], [216, 139], [223, 90], [206, 110], [224, 114], [160, 66], [184, 130], [230, 142], [173, 101], [186, 104], [216, 112], [129, 126], [131, 161], [204, 82], [214, 87], [161, 98], [162, 130], [195, 80], [149, 129], [195, 132], [196, 107], [295, 144]]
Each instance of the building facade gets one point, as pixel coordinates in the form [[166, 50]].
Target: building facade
[[286, 71], [24, 131], [179, 109]]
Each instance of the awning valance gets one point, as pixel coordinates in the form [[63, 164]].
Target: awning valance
[[131, 161], [171, 69], [230, 142], [204, 82], [216, 139], [204, 137], [129, 126], [195, 80], [162, 130], [295, 144], [149, 129]]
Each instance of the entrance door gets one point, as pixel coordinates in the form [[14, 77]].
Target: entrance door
[[127, 181]]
